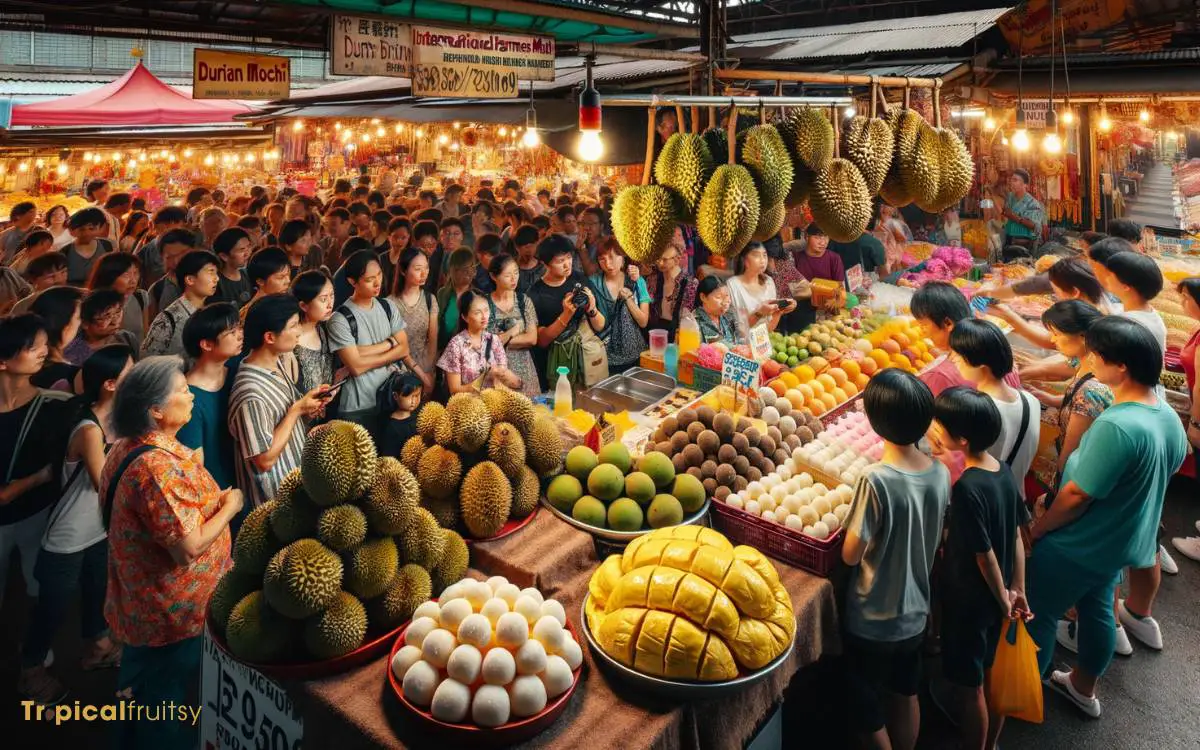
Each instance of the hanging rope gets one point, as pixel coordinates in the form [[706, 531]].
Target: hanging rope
[[937, 104], [874, 95]]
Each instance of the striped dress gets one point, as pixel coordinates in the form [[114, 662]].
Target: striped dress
[[259, 401]]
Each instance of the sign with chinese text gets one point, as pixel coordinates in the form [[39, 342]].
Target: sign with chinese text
[[855, 278], [217, 74], [1035, 113], [369, 47], [242, 707], [477, 64]]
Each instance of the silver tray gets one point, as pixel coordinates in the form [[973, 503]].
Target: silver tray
[[686, 690], [634, 391], [625, 537]]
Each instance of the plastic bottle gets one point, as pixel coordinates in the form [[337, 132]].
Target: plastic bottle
[[562, 394], [688, 336], [671, 360]]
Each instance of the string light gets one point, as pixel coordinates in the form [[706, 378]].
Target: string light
[[40, 163], [116, 156], [1068, 117], [23, 166], [443, 139], [366, 137], [337, 126], [187, 153], [350, 147], [61, 169], [162, 154], [87, 155], [420, 132], [297, 126], [380, 132], [1144, 115], [399, 128], [133, 163], [347, 135], [250, 158], [503, 131], [208, 160]]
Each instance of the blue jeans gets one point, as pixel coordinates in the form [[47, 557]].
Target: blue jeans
[[58, 577], [1055, 583], [157, 675]]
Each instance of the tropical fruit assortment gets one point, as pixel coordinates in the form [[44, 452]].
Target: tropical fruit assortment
[[480, 459], [487, 653], [344, 550], [609, 490], [684, 603]]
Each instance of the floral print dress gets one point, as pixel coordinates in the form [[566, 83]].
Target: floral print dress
[[520, 361]]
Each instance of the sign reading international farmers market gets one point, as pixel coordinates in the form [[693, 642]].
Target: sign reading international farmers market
[[478, 64], [369, 47], [217, 74]]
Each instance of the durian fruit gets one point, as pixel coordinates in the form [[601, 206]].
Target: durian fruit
[[486, 499], [341, 527], [231, 589], [443, 433], [906, 126], [644, 219], [921, 171], [770, 221], [256, 543], [424, 540], [338, 463], [543, 447], [684, 165], [338, 630], [392, 499], [302, 579], [370, 567], [410, 454], [526, 489], [469, 420], [808, 135], [506, 448], [729, 210], [255, 632], [957, 170], [444, 510], [510, 406], [452, 566], [717, 141], [439, 472], [841, 203], [427, 420], [869, 144], [294, 515], [764, 153], [411, 587]]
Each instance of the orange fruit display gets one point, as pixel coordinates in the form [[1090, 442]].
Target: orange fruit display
[[850, 367], [840, 395], [827, 380], [869, 367], [789, 380], [806, 391], [816, 407], [803, 373], [899, 360], [829, 401], [838, 374], [882, 359], [861, 380], [818, 364], [796, 398], [778, 386], [817, 388], [890, 346], [850, 388], [901, 339]]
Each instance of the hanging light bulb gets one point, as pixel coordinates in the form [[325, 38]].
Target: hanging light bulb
[[399, 128], [457, 125], [366, 137], [116, 156], [297, 126], [208, 160], [1144, 115], [1051, 144], [133, 163], [40, 163], [173, 157], [591, 147], [380, 132], [23, 166], [1020, 139], [61, 168], [1004, 140], [1068, 116], [351, 146], [187, 153], [503, 131], [162, 154], [347, 135], [250, 157], [87, 155], [989, 123], [443, 139], [420, 132], [531, 139], [1105, 124], [454, 146], [337, 126]]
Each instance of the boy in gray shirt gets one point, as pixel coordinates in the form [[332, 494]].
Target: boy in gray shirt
[[892, 535]]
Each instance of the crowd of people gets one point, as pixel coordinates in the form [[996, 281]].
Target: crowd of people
[[159, 374]]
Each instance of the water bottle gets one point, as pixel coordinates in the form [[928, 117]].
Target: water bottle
[[562, 394], [671, 360]]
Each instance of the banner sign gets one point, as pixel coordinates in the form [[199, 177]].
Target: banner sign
[[369, 47], [217, 74], [1032, 30], [1035, 113], [477, 64], [243, 708]]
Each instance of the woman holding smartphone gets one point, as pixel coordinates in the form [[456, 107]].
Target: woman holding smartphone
[[752, 293]]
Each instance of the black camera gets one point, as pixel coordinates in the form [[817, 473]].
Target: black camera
[[579, 298]]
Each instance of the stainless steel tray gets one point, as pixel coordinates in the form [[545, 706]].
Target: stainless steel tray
[[684, 690], [625, 537], [631, 391]]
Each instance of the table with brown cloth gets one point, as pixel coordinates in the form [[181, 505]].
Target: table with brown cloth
[[357, 709]]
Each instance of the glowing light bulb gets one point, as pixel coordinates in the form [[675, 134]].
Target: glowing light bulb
[[40, 163], [187, 153], [1051, 144], [374, 120], [133, 163], [443, 139], [457, 125], [250, 158], [454, 146], [162, 154], [1068, 117], [420, 132], [366, 137], [173, 157], [531, 139], [399, 128], [351, 146], [591, 146], [337, 126], [503, 131], [208, 160], [1004, 140], [380, 132], [849, 112], [61, 169], [87, 155], [1144, 115], [347, 135], [23, 166], [1020, 140], [1105, 124], [116, 156], [297, 126]]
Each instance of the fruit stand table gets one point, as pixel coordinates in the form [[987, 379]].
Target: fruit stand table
[[357, 709]]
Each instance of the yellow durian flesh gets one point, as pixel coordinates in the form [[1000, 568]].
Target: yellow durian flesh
[[718, 663], [618, 633], [685, 594], [651, 646], [601, 584]]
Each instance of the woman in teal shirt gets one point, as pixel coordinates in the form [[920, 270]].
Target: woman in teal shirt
[[1105, 516], [713, 314]]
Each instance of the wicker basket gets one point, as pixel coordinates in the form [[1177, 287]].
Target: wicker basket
[[817, 556]]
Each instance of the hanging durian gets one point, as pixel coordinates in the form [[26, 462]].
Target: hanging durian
[[717, 141], [921, 172], [906, 126], [644, 219], [770, 221], [763, 152], [868, 143], [957, 170], [729, 210], [684, 166], [841, 203]]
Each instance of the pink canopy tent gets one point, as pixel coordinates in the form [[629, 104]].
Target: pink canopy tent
[[135, 99]]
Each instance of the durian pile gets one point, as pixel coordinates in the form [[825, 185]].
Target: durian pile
[[684, 603], [343, 551], [480, 459]]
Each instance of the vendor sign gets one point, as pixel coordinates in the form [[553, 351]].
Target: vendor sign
[[217, 74], [243, 708], [369, 47], [477, 64]]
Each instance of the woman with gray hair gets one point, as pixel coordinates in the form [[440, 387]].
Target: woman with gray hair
[[168, 532]]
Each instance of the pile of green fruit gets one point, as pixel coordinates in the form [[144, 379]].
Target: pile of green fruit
[[838, 334], [343, 550], [607, 491]]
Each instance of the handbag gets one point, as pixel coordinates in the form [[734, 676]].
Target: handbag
[[566, 352], [1014, 685], [622, 338]]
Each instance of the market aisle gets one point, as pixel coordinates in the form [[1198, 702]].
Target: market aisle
[[1154, 205]]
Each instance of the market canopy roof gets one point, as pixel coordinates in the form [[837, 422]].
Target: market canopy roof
[[137, 98]]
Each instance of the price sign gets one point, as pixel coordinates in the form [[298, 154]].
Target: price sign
[[243, 708], [740, 372], [477, 64], [760, 342], [855, 278]]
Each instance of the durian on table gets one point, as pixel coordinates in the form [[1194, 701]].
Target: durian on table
[[682, 602], [343, 550]]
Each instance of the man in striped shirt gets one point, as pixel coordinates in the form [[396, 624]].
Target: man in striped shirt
[[267, 412]]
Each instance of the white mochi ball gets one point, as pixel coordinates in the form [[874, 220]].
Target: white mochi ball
[[478, 594], [787, 425], [512, 630], [767, 396], [430, 610], [571, 652], [770, 415], [821, 505], [531, 657], [453, 613], [832, 522], [418, 629], [735, 501], [794, 523], [549, 631], [820, 530], [557, 677], [534, 593], [437, 647], [529, 608], [420, 682], [808, 515], [754, 490], [490, 706], [453, 591], [464, 663], [778, 493], [495, 582], [753, 507], [493, 608], [476, 630], [555, 609], [509, 592], [451, 701], [784, 473], [841, 512], [527, 695], [499, 667], [405, 658]]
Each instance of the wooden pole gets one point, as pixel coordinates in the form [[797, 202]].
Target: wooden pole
[[648, 167]]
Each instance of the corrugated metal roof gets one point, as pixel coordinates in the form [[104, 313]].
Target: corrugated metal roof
[[1189, 54], [943, 31], [928, 70]]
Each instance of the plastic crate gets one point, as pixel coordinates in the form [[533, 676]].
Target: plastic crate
[[700, 378], [817, 556]]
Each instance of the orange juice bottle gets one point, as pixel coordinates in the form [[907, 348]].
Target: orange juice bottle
[[688, 336]]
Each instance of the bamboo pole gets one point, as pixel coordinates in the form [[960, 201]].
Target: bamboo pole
[[649, 165]]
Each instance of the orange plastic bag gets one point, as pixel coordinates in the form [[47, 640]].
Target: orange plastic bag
[[1014, 686]]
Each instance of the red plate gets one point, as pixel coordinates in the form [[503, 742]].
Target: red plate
[[369, 651], [473, 735], [511, 526]]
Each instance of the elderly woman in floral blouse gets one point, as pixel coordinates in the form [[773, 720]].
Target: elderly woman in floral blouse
[[168, 532]]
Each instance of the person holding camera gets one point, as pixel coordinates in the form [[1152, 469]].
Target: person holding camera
[[752, 293], [622, 298], [563, 301], [514, 320]]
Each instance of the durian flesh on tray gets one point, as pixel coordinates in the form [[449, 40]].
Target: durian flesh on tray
[[683, 603]]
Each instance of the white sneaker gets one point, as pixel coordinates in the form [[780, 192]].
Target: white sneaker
[[1122, 647], [1198, 526], [1166, 562], [1144, 629], [1060, 682], [1188, 547], [49, 660], [1066, 637]]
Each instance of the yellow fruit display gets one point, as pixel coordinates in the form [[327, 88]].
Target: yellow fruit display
[[682, 602]]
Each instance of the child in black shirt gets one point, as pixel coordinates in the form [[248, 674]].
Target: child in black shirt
[[985, 558], [406, 394]]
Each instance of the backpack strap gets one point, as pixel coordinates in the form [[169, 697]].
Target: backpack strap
[[26, 425], [1012, 455], [348, 314], [111, 492]]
